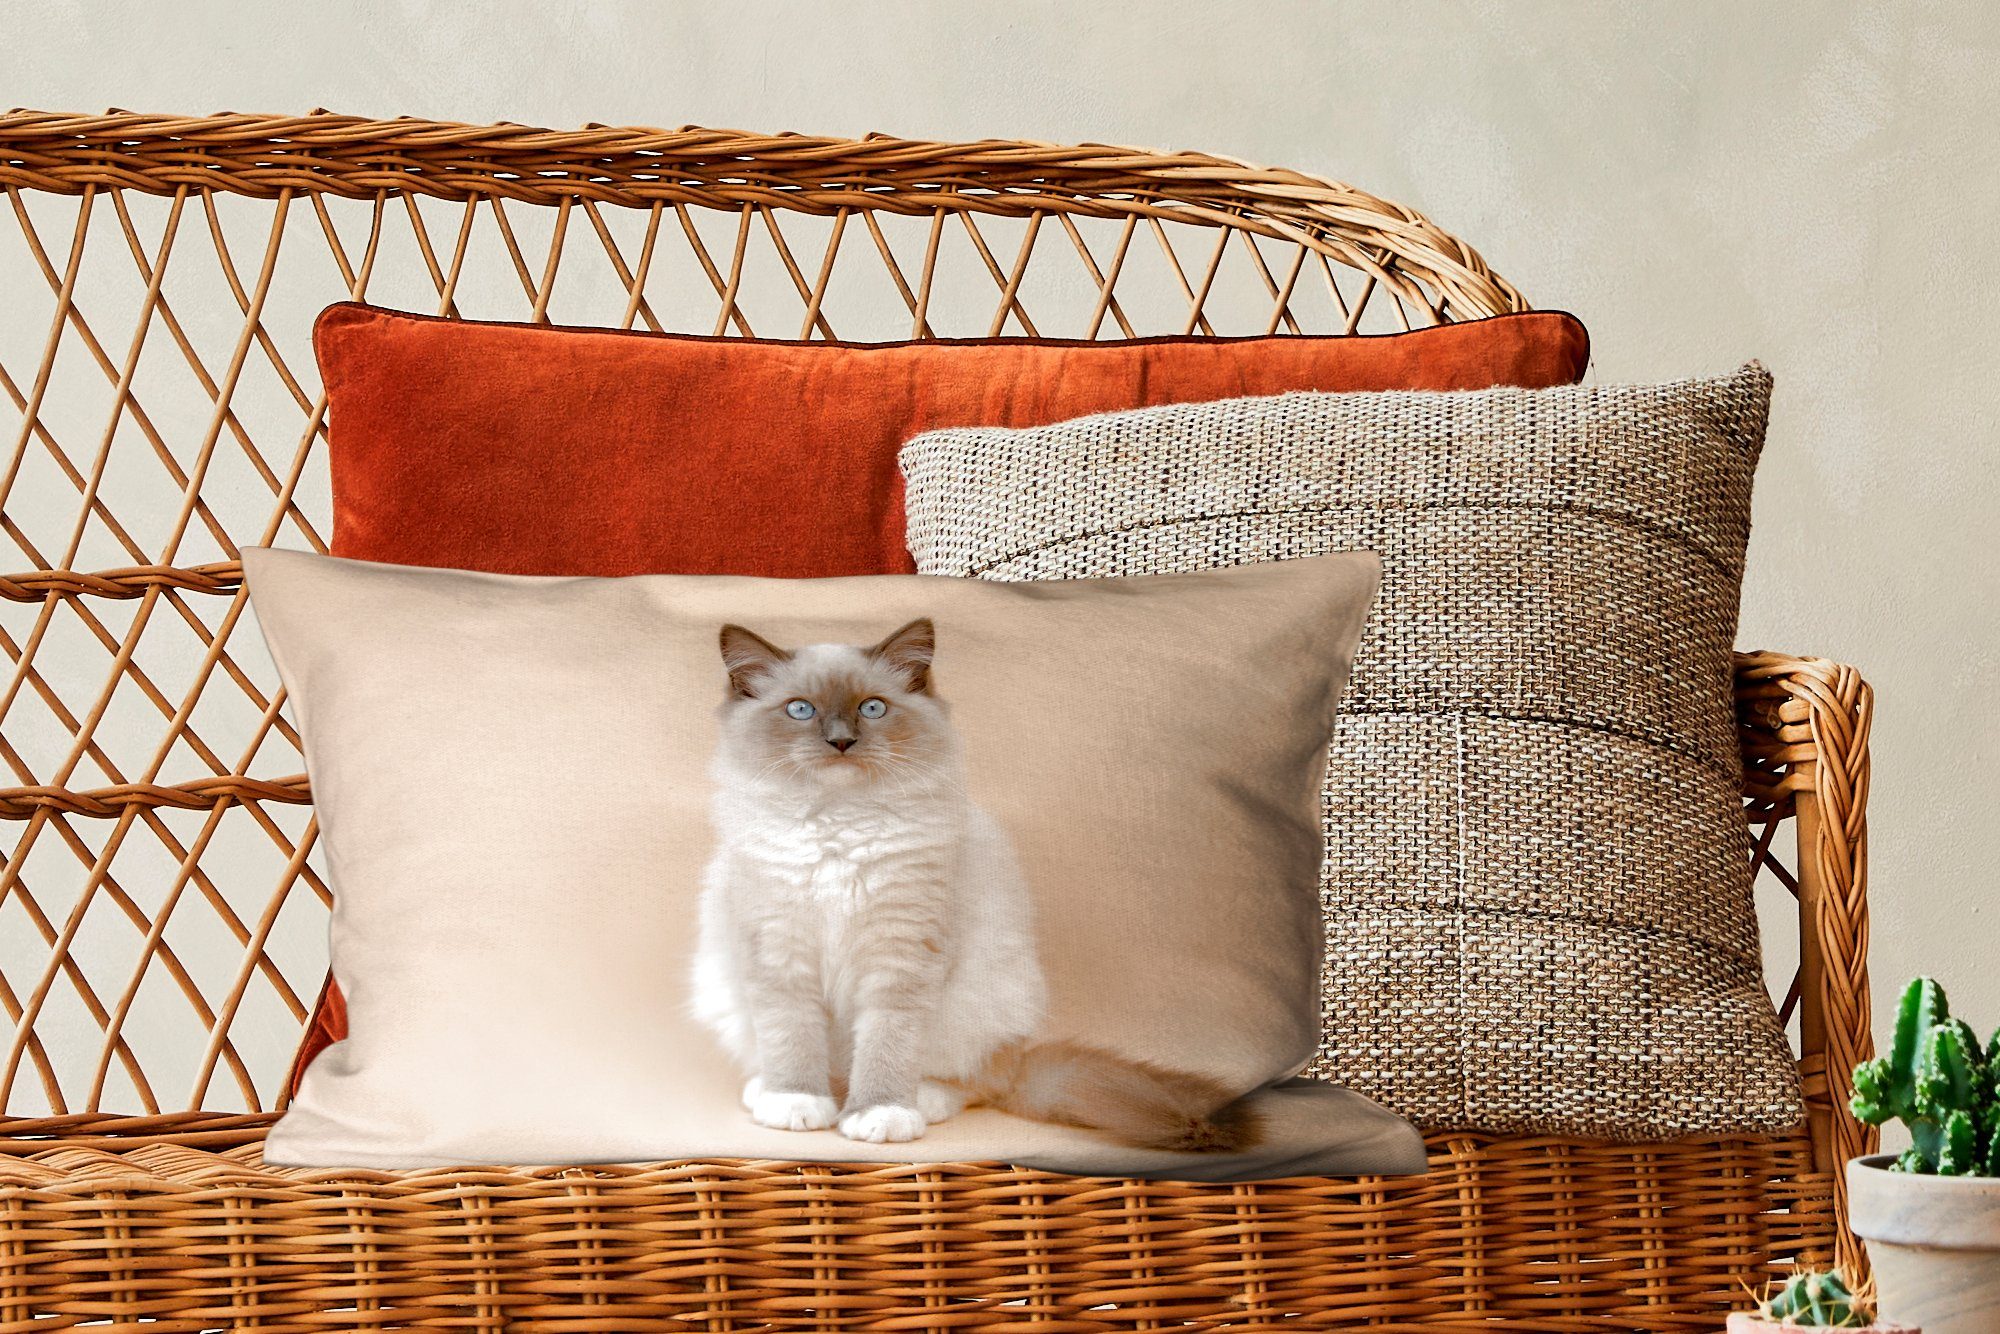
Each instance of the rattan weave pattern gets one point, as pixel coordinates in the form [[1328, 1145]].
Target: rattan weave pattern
[[1565, 1236], [161, 920], [278, 157]]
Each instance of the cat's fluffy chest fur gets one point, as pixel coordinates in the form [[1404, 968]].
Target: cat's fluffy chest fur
[[863, 903], [835, 840]]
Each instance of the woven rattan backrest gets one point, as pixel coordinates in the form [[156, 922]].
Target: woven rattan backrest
[[162, 920]]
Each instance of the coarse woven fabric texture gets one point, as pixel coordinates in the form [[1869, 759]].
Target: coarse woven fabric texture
[[513, 782], [1538, 912]]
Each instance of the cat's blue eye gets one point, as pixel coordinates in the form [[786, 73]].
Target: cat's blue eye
[[873, 708], [800, 710]]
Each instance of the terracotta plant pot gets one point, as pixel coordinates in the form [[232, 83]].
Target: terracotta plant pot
[[1934, 1243], [1745, 1322]]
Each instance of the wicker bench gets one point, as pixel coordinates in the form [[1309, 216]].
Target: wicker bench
[[161, 919]]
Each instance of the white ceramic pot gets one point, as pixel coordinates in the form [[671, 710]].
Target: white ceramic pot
[[1934, 1243]]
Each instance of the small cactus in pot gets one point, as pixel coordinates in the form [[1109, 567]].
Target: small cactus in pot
[[1931, 1215], [1939, 1081], [1813, 1300]]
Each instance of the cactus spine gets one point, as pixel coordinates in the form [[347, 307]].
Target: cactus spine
[[1817, 1301], [1940, 1082]]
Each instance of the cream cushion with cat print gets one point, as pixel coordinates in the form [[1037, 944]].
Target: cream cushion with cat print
[[872, 869]]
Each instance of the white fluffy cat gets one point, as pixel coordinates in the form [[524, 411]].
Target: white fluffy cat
[[867, 951]]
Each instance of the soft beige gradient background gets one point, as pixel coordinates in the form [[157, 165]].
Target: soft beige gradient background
[[1811, 184]]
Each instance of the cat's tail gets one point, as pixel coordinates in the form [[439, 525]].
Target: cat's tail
[[1133, 1101]]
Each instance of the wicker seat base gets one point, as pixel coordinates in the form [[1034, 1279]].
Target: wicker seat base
[[190, 1230]]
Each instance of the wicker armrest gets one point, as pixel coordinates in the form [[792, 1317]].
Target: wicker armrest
[[1804, 725]]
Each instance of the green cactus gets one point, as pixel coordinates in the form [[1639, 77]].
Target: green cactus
[[1941, 1082], [1958, 1152], [1817, 1301]]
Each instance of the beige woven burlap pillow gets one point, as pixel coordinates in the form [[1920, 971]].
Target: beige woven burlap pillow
[[1537, 902]]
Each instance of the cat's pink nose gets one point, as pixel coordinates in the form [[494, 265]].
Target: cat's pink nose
[[840, 743]]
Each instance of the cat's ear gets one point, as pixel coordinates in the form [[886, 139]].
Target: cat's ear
[[750, 658], [909, 652]]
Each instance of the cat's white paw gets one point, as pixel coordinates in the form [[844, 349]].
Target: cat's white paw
[[790, 1111], [939, 1102], [884, 1123]]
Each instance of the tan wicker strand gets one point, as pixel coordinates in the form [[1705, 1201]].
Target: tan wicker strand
[[152, 797], [34, 585], [20, 803]]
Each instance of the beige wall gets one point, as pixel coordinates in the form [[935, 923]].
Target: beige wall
[[1811, 184]]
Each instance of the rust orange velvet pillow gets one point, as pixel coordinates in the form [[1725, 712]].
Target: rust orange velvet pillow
[[532, 449], [535, 449]]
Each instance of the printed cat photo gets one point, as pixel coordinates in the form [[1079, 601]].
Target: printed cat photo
[[867, 946]]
